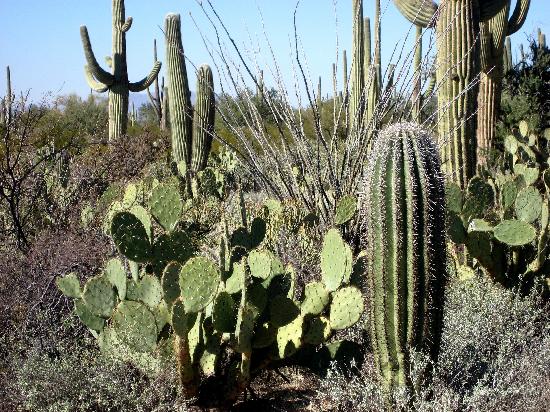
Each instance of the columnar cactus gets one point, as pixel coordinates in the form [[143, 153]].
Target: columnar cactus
[[6, 107], [190, 147], [496, 60], [203, 122], [460, 58], [356, 102], [117, 82], [157, 100], [404, 222]]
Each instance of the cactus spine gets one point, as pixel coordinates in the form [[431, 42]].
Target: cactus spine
[[117, 82], [406, 255], [189, 158]]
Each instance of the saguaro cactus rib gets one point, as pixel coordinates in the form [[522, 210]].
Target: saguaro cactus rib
[[116, 82]]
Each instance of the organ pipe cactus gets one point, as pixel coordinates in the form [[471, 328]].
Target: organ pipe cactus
[[404, 222], [459, 59], [191, 138], [116, 83]]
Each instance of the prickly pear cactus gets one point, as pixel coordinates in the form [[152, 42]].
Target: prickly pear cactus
[[403, 216]]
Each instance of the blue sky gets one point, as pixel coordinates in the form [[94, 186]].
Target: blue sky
[[41, 43]]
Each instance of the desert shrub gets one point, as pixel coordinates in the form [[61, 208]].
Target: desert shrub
[[494, 357]]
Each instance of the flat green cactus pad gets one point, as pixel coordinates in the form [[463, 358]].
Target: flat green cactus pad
[[234, 283], [318, 331], [454, 198], [528, 205], [99, 296], [289, 338], [508, 193], [316, 298], [116, 274], [149, 291], [130, 237], [224, 313], [199, 280], [479, 244], [264, 335], [511, 144], [170, 282], [264, 264], [455, 228], [256, 296], [143, 216], [479, 225], [481, 197], [345, 209], [514, 232], [174, 246], [336, 260], [346, 307], [162, 315], [182, 322], [244, 330], [283, 310], [87, 317], [69, 285], [530, 174], [135, 326], [166, 205]]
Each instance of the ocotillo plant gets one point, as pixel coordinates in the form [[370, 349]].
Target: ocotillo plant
[[157, 100], [116, 83], [404, 223], [458, 25], [496, 60], [191, 138]]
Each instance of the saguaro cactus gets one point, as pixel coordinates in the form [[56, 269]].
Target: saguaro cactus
[[6, 109], [116, 83], [157, 99], [404, 206], [459, 60], [191, 143], [496, 59], [356, 103]]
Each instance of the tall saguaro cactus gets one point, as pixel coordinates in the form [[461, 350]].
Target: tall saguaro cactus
[[460, 58], [6, 107], [356, 102], [116, 82], [495, 61], [191, 139], [404, 222]]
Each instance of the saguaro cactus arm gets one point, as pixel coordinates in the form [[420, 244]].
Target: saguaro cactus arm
[[96, 70], [518, 17], [127, 25], [146, 81], [92, 82], [419, 12]]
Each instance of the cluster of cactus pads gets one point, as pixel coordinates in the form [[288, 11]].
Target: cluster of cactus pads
[[244, 307], [502, 218], [404, 225]]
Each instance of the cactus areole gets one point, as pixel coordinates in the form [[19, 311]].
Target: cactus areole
[[115, 82], [403, 214]]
